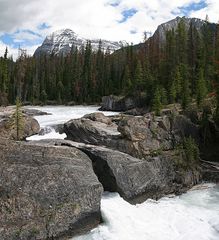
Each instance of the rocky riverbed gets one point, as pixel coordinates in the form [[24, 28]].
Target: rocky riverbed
[[51, 189]]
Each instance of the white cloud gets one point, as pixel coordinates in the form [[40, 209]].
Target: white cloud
[[23, 35], [93, 18], [212, 10], [13, 52]]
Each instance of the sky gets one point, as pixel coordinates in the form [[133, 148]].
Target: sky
[[26, 23]]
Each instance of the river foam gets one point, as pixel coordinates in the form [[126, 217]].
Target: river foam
[[191, 216], [59, 115]]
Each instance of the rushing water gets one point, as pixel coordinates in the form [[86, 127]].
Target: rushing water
[[58, 115], [191, 216]]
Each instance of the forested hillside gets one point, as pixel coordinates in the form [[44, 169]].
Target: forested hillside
[[183, 67]]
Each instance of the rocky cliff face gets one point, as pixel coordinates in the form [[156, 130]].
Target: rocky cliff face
[[160, 33], [61, 42]]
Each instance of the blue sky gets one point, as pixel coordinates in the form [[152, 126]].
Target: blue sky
[[18, 38], [186, 10], [106, 19]]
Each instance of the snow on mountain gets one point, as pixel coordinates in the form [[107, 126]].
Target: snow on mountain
[[61, 41]]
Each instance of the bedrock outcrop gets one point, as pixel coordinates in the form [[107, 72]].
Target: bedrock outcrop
[[137, 179], [46, 192], [137, 136]]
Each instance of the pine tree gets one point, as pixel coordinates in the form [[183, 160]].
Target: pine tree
[[6, 53], [181, 42], [156, 102], [176, 84], [127, 81], [163, 96], [138, 82], [185, 90], [191, 150], [172, 92], [201, 87], [17, 121]]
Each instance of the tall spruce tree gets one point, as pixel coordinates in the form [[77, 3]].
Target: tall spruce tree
[[201, 90], [156, 102], [17, 120]]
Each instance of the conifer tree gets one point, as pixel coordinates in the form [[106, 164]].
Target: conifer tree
[[176, 84], [127, 80], [156, 102], [17, 121], [163, 96], [201, 87], [138, 78], [172, 92], [185, 90]]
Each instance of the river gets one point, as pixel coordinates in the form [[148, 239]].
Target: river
[[191, 216]]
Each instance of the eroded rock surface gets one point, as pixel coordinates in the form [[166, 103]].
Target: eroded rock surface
[[137, 179], [138, 136], [46, 192]]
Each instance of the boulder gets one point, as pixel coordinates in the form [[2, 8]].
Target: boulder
[[34, 112], [117, 103], [99, 117], [137, 179], [30, 126], [147, 134], [46, 192], [90, 131], [137, 136], [137, 111]]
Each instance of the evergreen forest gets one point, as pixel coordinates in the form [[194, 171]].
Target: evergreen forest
[[182, 68]]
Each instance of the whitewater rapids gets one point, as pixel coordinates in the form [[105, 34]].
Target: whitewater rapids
[[191, 216]]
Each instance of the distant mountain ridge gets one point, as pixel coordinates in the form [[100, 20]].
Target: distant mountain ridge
[[61, 41], [173, 24], [159, 36]]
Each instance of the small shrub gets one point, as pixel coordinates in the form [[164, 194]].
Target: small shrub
[[186, 154], [191, 150]]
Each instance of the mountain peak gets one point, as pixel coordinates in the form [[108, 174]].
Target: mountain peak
[[173, 24], [61, 41]]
